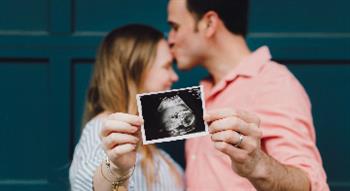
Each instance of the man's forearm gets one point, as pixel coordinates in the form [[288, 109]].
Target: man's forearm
[[271, 175]]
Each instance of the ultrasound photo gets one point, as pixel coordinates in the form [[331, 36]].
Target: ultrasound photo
[[172, 115]]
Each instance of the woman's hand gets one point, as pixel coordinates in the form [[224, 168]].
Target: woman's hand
[[120, 137]]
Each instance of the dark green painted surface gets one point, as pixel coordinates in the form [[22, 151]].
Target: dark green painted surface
[[299, 16], [329, 89], [97, 16], [31, 97], [82, 70], [24, 122], [17, 16], [47, 49]]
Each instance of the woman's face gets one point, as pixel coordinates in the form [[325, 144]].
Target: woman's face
[[161, 74]]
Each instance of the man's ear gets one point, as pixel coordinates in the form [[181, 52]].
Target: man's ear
[[211, 22]]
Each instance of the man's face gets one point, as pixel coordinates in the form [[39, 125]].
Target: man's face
[[178, 120], [186, 43]]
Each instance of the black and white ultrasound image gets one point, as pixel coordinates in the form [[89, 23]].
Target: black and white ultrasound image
[[172, 114]]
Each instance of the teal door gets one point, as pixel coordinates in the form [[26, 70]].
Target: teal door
[[47, 49]]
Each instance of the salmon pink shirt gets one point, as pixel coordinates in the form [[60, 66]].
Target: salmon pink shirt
[[269, 90]]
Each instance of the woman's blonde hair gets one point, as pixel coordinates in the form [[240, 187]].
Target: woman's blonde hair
[[123, 58]]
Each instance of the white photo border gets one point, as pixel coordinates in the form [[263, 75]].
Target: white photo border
[[180, 137]]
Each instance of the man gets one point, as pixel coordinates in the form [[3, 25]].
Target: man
[[277, 152]]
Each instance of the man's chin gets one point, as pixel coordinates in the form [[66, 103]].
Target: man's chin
[[183, 66], [184, 63]]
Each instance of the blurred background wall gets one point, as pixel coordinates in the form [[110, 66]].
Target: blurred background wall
[[47, 49]]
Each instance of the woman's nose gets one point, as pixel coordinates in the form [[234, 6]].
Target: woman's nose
[[174, 76]]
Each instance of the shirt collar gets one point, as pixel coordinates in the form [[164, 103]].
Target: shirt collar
[[251, 65]]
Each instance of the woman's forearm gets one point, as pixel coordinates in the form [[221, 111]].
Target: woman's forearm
[[102, 180]]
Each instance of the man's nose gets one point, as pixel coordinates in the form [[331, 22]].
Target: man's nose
[[171, 39]]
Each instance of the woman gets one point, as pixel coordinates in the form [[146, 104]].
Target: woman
[[131, 59]]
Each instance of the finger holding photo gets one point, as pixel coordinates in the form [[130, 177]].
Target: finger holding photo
[[119, 136], [236, 134]]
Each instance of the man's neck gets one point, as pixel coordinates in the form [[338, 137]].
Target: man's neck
[[225, 55]]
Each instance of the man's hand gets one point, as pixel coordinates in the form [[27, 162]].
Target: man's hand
[[237, 134]]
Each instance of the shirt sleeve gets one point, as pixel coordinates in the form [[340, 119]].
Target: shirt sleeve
[[88, 155], [288, 131]]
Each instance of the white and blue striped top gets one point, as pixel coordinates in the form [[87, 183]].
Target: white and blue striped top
[[89, 154]]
